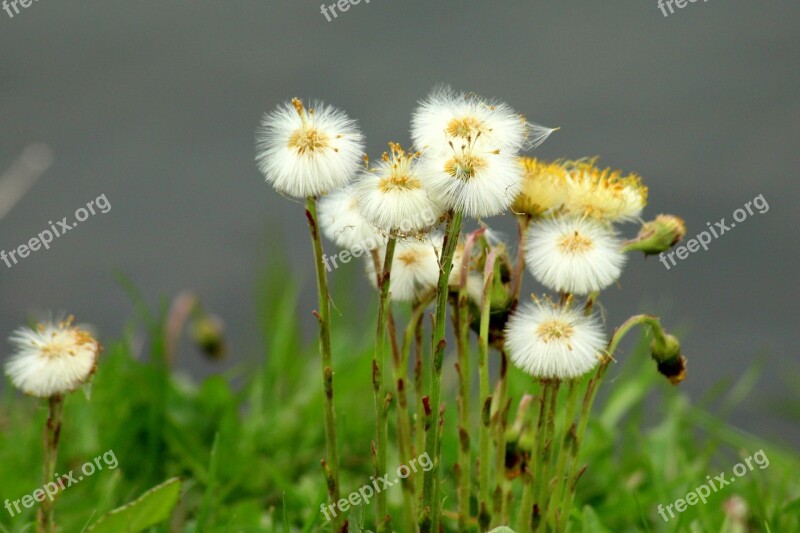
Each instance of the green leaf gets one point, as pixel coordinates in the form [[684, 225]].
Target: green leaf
[[211, 486], [792, 507], [150, 508], [591, 522]]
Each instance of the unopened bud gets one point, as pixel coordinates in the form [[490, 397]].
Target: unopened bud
[[666, 351], [500, 294], [208, 333], [658, 235]]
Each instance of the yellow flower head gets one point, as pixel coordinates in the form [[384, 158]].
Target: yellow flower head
[[604, 194], [544, 187]]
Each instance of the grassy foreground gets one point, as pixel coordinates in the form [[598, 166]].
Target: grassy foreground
[[248, 454]]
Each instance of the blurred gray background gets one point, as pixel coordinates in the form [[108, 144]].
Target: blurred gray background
[[155, 105]]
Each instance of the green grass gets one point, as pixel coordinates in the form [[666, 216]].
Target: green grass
[[249, 455]]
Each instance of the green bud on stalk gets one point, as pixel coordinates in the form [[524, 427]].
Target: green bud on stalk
[[658, 235]]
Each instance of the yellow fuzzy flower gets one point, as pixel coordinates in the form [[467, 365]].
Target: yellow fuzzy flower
[[604, 194], [544, 187]]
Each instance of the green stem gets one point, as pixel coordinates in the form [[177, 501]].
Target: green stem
[[524, 523], [410, 337], [462, 322], [573, 473], [429, 520], [534, 475], [331, 465], [382, 398], [523, 223], [625, 327], [484, 517], [500, 418], [46, 520], [419, 379], [543, 486], [400, 357], [464, 460], [567, 429], [404, 444]]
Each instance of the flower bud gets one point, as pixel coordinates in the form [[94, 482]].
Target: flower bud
[[666, 351], [658, 235], [500, 294], [208, 333]]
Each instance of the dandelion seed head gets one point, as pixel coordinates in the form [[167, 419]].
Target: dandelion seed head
[[307, 151], [52, 359], [574, 255], [476, 183], [469, 146], [391, 195], [552, 342], [341, 221], [447, 116], [415, 268]]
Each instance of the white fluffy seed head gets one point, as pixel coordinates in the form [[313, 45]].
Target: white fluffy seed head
[[552, 342], [392, 196], [475, 182], [53, 359], [341, 221], [415, 268], [470, 146], [574, 255], [447, 116], [306, 152]]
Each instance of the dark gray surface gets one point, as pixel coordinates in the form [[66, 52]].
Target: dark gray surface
[[155, 103]]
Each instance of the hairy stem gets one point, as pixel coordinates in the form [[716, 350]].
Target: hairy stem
[[404, 428], [429, 520], [464, 460], [484, 517], [462, 322], [533, 467], [382, 399], [323, 316], [573, 472], [543, 485], [46, 520], [500, 419], [566, 431], [419, 380], [523, 223]]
